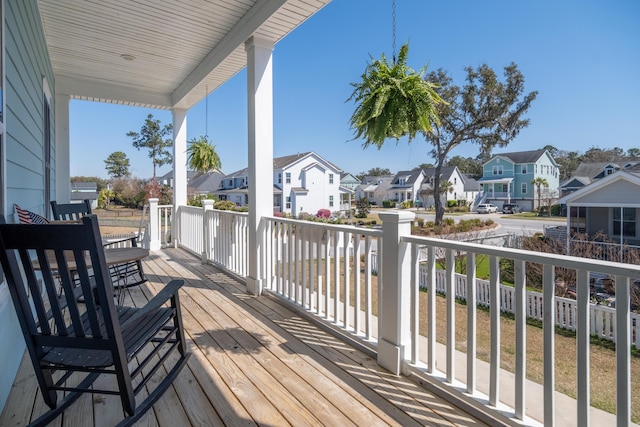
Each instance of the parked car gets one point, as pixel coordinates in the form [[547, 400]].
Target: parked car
[[509, 208], [486, 208]]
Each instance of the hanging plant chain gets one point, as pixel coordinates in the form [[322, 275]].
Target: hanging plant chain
[[393, 29]]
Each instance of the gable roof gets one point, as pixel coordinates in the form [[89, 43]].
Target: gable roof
[[445, 172], [522, 156], [208, 182], [410, 177], [620, 189]]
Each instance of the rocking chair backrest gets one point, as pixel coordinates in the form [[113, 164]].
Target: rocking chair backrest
[[70, 211], [59, 301]]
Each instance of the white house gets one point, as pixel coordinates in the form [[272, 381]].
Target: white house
[[405, 185], [302, 182], [463, 188], [374, 188]]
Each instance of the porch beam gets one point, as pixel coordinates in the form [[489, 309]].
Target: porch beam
[[260, 134]]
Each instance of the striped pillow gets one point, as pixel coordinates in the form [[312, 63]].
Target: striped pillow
[[28, 217]]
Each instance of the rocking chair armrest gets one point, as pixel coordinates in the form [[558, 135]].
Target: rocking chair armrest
[[133, 239], [168, 292]]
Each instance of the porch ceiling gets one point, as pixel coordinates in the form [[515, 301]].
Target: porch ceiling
[[158, 53]]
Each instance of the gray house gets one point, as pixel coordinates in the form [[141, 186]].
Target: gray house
[[610, 205]]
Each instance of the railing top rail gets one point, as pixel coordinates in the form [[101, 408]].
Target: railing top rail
[[327, 226], [227, 212], [608, 267]]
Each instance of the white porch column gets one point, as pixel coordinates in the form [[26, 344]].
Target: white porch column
[[179, 157], [394, 318], [63, 163], [179, 169], [207, 205], [260, 117]]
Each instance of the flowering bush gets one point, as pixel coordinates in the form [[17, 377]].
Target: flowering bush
[[323, 213]]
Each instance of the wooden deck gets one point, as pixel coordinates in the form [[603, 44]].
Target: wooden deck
[[253, 361]]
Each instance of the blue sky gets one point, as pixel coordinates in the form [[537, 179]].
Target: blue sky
[[582, 57]]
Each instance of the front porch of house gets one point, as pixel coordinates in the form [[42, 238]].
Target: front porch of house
[[255, 362]]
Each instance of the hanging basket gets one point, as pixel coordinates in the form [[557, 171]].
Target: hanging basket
[[393, 101]]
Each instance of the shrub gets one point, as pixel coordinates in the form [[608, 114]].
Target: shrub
[[448, 221], [452, 203], [420, 222], [363, 207], [429, 224], [198, 198], [224, 205], [323, 213], [556, 210], [388, 204]]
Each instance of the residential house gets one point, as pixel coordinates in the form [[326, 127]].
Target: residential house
[[587, 173], [463, 188], [205, 183], [405, 186], [507, 178], [167, 178], [81, 191], [375, 188], [302, 182], [348, 185], [610, 205]]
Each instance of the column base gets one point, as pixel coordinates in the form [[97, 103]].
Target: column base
[[389, 356], [255, 286]]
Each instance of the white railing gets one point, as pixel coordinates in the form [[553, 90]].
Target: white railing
[[326, 270], [226, 240], [190, 232], [164, 223], [422, 355]]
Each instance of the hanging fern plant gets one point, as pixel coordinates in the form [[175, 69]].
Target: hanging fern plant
[[393, 101]]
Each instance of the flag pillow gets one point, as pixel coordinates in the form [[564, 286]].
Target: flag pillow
[[28, 217]]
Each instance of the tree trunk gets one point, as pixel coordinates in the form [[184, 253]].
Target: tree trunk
[[437, 202]]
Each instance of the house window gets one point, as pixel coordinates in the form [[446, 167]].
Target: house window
[[624, 219], [288, 206], [330, 178], [279, 178], [330, 201], [288, 177], [523, 188], [578, 219], [455, 181], [497, 170], [524, 169], [401, 181]]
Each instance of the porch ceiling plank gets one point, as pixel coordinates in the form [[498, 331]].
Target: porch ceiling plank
[[182, 48]]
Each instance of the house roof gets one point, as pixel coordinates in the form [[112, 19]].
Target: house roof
[[522, 156], [445, 172], [620, 189], [158, 53], [282, 162], [410, 177], [206, 182]]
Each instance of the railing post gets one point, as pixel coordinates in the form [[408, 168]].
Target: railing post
[[394, 318], [154, 225], [207, 205]]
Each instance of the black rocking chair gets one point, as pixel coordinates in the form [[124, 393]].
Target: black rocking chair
[[127, 274], [71, 323]]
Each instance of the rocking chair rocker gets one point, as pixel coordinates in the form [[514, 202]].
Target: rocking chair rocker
[[92, 337]]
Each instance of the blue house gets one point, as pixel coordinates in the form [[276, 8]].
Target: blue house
[[507, 178]]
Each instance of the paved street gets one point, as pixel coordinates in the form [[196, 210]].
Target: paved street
[[508, 223]]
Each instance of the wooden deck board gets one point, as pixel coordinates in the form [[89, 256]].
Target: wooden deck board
[[254, 361]]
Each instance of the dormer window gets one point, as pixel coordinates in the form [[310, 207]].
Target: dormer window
[[609, 171], [401, 181]]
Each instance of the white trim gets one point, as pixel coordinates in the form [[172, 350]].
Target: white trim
[[597, 185]]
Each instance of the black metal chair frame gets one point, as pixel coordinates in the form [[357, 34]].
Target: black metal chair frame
[[43, 265], [127, 274]]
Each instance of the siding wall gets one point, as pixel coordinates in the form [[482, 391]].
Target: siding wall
[[26, 62]]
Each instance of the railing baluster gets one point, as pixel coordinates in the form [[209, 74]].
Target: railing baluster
[[431, 307], [471, 322], [357, 285], [549, 331], [336, 278], [367, 286], [347, 281], [583, 341], [623, 351], [521, 337], [415, 305], [451, 317], [327, 274], [494, 380], [304, 253]]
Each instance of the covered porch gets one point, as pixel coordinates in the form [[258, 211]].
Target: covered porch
[[255, 362]]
